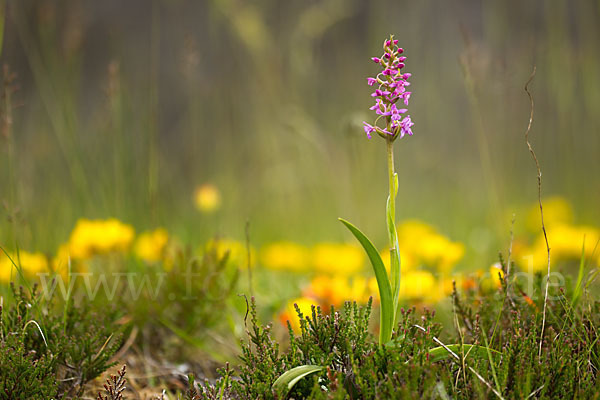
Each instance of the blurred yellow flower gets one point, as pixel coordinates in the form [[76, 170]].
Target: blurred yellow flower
[[290, 314], [7, 270], [414, 230], [566, 243], [335, 290], [557, 211], [497, 274], [407, 260], [30, 263], [421, 245], [207, 198], [91, 237], [419, 285], [60, 262], [237, 253], [287, 256], [337, 258], [150, 246], [416, 286], [462, 281]]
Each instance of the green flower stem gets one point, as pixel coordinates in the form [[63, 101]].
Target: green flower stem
[[392, 174], [392, 233]]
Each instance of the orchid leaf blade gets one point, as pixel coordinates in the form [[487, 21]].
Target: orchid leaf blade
[[288, 379], [388, 307]]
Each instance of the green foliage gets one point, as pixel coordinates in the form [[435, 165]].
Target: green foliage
[[183, 301], [501, 361], [24, 374], [353, 363], [388, 298], [289, 378], [444, 352], [46, 353]]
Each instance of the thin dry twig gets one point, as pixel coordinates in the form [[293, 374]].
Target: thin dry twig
[[539, 179]]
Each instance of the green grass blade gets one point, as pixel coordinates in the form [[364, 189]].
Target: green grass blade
[[441, 353], [288, 379], [579, 285], [491, 360], [385, 290]]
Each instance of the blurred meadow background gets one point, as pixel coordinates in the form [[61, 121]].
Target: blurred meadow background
[[242, 121]]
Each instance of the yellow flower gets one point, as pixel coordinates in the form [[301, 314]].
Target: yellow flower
[[335, 290], [557, 210], [60, 262], [566, 243], [373, 288], [207, 198], [289, 313], [336, 258], [237, 251], [491, 280], [30, 263], [462, 282], [497, 274], [419, 285], [416, 286], [287, 256], [414, 230], [421, 245], [7, 269], [150, 246], [91, 237]]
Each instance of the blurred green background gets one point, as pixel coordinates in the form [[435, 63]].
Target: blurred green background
[[122, 109]]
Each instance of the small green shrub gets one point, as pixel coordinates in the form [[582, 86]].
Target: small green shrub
[[179, 310], [51, 348], [357, 367]]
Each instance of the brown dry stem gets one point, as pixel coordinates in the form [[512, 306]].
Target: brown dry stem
[[539, 179]]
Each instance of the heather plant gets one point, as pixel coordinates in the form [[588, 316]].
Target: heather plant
[[50, 348], [181, 304], [335, 357]]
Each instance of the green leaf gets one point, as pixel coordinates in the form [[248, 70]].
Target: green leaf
[[388, 308], [288, 379], [441, 353]]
